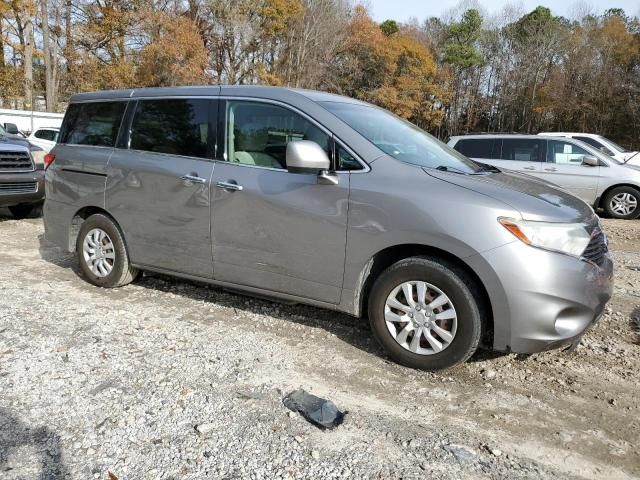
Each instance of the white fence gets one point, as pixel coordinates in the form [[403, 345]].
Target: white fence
[[28, 121]]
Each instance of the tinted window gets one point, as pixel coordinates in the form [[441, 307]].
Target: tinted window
[[46, 135], [346, 161], [564, 153], [172, 126], [478, 147], [258, 133], [595, 143], [399, 138], [521, 149], [94, 123]]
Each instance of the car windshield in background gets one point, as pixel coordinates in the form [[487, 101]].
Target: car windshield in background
[[615, 145], [401, 139]]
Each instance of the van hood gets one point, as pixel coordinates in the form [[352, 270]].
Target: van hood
[[535, 199]]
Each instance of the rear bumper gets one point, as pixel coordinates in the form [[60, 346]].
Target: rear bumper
[[11, 196], [551, 298]]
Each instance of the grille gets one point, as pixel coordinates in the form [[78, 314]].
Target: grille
[[15, 162], [597, 247], [21, 187]]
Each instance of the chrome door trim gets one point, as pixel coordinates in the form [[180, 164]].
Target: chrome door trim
[[230, 186]]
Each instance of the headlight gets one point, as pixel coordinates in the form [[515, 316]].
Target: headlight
[[569, 238]]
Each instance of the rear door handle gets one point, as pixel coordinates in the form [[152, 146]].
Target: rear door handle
[[231, 186], [550, 169], [193, 179]]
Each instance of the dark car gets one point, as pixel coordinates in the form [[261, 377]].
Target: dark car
[[21, 177]]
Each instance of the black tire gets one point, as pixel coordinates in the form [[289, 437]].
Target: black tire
[[452, 281], [22, 211], [608, 203], [122, 272]]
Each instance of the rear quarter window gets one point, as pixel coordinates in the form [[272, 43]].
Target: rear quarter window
[[95, 123]]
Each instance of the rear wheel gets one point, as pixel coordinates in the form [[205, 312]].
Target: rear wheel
[[103, 253], [623, 203], [425, 313]]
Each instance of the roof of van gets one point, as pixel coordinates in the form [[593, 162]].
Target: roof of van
[[504, 135], [214, 90]]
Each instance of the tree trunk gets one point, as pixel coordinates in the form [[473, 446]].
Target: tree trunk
[[48, 59], [28, 62]]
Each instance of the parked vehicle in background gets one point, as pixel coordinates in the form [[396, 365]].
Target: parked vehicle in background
[[21, 181], [37, 153], [596, 178], [45, 138], [603, 144], [328, 201], [29, 121]]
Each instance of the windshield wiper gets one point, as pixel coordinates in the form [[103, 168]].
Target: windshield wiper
[[444, 168]]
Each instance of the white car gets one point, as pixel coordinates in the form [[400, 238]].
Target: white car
[[603, 144], [45, 138]]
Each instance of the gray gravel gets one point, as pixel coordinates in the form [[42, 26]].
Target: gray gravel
[[173, 380]]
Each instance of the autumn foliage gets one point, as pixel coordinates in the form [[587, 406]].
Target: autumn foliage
[[515, 71]]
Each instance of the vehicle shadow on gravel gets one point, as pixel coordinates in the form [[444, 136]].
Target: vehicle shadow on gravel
[[15, 435], [354, 331]]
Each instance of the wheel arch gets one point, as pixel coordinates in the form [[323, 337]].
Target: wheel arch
[[603, 195], [390, 255], [80, 216]]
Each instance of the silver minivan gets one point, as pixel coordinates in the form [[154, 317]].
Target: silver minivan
[[320, 199], [582, 169]]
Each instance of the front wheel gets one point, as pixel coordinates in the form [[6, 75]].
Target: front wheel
[[622, 203], [103, 253], [425, 313]]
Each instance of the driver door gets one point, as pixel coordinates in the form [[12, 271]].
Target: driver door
[[272, 229], [565, 168]]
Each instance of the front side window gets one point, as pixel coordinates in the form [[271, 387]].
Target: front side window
[[521, 149], [171, 126], [258, 133], [400, 139], [478, 147], [565, 153], [93, 123]]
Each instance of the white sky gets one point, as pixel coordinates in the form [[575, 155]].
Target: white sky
[[402, 10]]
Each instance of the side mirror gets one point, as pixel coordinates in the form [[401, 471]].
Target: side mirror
[[12, 128], [305, 156], [590, 160]]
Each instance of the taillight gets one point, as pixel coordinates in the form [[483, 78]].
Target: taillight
[[48, 160]]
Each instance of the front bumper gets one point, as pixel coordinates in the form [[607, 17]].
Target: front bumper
[[12, 196], [551, 298]]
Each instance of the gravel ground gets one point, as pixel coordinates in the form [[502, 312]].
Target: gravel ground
[[170, 379]]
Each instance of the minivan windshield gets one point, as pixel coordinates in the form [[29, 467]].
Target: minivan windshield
[[614, 145], [401, 139]]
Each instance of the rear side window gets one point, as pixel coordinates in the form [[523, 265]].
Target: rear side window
[[521, 149], [593, 142], [46, 135], [478, 147], [95, 123], [172, 126]]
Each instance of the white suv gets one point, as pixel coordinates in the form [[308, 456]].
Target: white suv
[[583, 170], [603, 144]]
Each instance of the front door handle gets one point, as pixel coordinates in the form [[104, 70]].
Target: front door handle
[[528, 168], [193, 179], [231, 186]]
